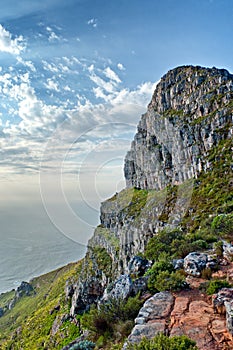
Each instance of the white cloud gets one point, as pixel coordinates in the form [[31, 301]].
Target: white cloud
[[108, 86], [41, 121], [99, 93], [10, 45], [120, 66], [91, 68], [66, 88], [52, 35], [140, 96], [28, 64], [51, 67], [110, 74], [93, 22], [52, 85]]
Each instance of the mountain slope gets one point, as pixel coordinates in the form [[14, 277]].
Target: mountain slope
[[178, 199]]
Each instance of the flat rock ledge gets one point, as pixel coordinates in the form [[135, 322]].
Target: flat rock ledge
[[186, 313]]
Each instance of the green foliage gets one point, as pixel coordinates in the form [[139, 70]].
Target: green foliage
[[162, 276], [28, 325], [5, 298], [137, 203], [162, 242], [162, 264], [165, 280], [129, 202], [218, 249], [212, 192], [215, 285], [223, 225], [103, 260], [175, 243], [111, 315], [206, 273], [162, 342], [109, 236]]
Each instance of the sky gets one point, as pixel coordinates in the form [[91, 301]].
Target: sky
[[75, 76]]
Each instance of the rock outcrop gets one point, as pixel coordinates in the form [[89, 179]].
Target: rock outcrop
[[189, 313], [223, 304], [24, 289], [152, 318], [195, 263]]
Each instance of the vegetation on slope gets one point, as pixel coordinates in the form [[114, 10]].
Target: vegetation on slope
[[29, 324], [161, 342]]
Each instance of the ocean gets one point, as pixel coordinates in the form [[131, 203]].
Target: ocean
[[31, 245]]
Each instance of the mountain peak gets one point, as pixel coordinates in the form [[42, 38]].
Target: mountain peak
[[188, 114]]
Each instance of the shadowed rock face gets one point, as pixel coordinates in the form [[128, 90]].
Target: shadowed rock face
[[189, 108]]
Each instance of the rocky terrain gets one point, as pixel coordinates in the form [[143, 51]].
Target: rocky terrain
[[167, 235], [190, 114], [206, 320]]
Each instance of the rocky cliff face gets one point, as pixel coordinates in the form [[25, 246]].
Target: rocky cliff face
[[189, 116]]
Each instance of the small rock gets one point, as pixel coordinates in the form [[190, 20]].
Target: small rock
[[223, 304], [194, 263], [56, 308], [69, 290], [121, 288], [227, 250], [138, 266], [140, 285], [25, 289], [178, 264]]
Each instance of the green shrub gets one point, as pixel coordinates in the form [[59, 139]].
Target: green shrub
[[103, 260], [218, 249], [223, 225], [162, 275], [176, 243], [162, 264], [162, 242], [173, 281], [206, 273], [215, 285], [103, 320], [162, 342]]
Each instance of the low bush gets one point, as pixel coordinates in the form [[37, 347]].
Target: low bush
[[215, 285], [162, 276], [223, 225], [162, 342], [110, 315]]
